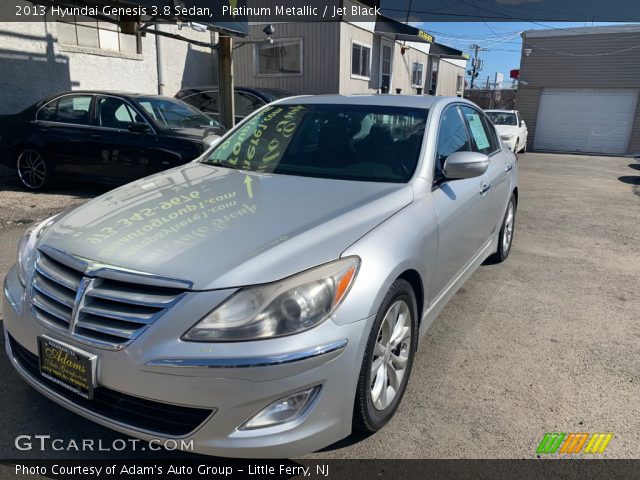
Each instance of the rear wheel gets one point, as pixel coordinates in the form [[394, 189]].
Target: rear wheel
[[32, 169], [388, 359], [505, 238]]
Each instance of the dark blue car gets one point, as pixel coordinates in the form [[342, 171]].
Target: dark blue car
[[247, 99]]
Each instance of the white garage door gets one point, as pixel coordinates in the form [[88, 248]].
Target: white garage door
[[593, 121]]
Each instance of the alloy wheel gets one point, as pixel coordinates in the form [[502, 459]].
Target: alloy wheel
[[32, 169], [390, 355], [508, 228]]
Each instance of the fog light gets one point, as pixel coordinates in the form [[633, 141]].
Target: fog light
[[283, 410]]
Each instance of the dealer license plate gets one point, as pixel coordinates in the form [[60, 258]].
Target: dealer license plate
[[67, 366]]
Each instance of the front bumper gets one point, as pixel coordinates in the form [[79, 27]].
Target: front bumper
[[232, 381]]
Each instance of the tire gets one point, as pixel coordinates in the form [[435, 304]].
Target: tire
[[505, 236], [376, 401], [33, 170]]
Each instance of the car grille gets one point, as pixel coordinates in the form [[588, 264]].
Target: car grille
[[134, 412], [99, 305]]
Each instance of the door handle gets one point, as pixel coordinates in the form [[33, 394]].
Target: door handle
[[508, 168], [96, 135], [485, 188]]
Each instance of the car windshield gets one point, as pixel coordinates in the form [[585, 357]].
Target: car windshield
[[502, 118], [347, 142], [171, 113]]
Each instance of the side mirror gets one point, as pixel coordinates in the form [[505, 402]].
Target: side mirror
[[522, 123], [139, 127], [460, 165]]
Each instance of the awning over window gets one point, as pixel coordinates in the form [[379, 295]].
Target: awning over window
[[407, 33], [443, 51], [402, 31]]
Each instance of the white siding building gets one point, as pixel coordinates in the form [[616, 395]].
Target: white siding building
[[38, 59], [347, 58]]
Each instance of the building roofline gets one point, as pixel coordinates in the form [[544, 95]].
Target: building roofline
[[595, 30]]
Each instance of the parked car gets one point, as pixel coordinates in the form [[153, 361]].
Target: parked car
[[269, 297], [511, 128], [247, 99], [105, 137]]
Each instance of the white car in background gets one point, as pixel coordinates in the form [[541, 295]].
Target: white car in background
[[511, 128]]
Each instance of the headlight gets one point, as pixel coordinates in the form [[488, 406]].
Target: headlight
[[281, 308], [26, 248]]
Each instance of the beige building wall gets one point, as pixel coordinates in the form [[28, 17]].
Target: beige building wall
[[320, 46], [327, 50], [448, 73], [401, 64]]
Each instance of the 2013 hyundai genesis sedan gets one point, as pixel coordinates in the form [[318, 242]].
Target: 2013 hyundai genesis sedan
[[268, 298]]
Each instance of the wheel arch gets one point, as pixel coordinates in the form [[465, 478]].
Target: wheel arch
[[415, 280]]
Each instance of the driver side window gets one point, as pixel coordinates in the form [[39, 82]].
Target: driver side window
[[452, 137]]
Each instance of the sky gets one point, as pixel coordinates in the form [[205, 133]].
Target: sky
[[501, 42]]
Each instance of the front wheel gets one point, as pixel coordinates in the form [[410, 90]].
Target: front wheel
[[505, 236], [32, 169], [388, 359]]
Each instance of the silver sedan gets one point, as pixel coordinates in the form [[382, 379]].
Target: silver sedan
[[268, 298]]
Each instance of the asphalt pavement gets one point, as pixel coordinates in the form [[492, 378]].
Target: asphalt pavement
[[547, 342]]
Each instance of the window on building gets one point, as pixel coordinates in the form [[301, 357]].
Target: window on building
[[385, 69], [87, 32], [416, 74], [360, 60], [459, 85], [282, 57], [433, 81]]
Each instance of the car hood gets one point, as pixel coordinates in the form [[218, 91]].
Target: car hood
[[506, 129], [195, 133], [222, 228]]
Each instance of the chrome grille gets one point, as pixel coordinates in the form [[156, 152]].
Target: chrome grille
[[98, 304]]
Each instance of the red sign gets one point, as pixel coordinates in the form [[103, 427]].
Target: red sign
[[515, 73]]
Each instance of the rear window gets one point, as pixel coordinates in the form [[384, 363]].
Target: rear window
[[348, 142]]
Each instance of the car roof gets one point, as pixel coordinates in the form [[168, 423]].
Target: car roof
[[410, 101], [116, 93], [215, 88]]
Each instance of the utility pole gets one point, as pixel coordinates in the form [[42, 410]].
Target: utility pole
[[225, 81], [476, 64]]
